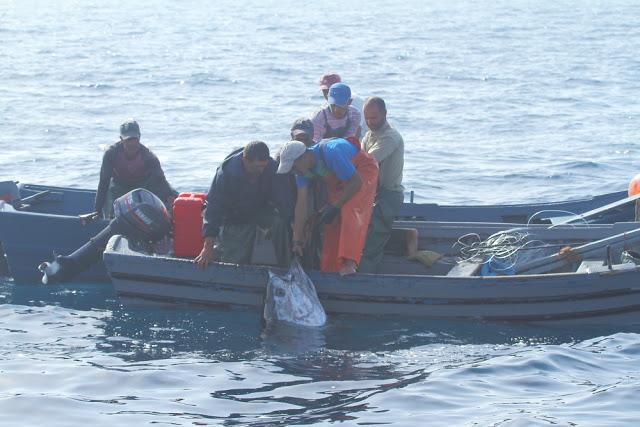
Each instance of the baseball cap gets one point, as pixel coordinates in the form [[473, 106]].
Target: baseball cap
[[339, 94], [302, 125], [289, 154], [130, 129], [328, 79]]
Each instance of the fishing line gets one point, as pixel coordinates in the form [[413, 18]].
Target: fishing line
[[573, 214]]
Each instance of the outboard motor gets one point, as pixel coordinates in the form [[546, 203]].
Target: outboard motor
[[139, 215]]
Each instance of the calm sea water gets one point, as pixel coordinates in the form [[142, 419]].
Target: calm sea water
[[497, 101]]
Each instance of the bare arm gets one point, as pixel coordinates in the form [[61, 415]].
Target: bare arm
[[212, 220], [300, 217]]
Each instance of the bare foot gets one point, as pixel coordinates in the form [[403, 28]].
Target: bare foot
[[348, 267]]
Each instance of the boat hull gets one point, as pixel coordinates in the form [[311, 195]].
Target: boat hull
[[566, 297], [31, 238]]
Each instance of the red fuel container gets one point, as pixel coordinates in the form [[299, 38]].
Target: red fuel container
[[187, 224]]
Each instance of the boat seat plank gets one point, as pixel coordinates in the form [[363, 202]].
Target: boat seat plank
[[598, 266], [591, 266], [464, 269], [393, 264]]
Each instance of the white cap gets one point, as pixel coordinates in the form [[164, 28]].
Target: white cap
[[289, 154]]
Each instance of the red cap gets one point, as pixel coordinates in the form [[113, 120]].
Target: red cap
[[328, 79]]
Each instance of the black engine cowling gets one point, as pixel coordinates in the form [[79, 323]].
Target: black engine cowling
[[139, 215]]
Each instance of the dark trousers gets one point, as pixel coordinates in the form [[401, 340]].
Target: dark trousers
[[236, 242], [317, 198], [386, 207]]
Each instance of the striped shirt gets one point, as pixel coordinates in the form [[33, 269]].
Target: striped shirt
[[319, 123]]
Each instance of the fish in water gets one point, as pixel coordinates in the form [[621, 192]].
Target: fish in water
[[292, 298]]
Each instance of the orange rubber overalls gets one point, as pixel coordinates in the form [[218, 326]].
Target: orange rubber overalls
[[344, 238]]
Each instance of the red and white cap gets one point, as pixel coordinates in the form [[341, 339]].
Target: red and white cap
[[328, 79]]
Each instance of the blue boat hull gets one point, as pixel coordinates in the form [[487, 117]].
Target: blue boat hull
[[30, 238], [51, 225], [599, 297]]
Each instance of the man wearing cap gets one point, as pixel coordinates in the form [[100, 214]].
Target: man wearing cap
[[128, 165], [302, 130], [350, 176], [325, 83], [243, 196], [386, 145], [339, 119]]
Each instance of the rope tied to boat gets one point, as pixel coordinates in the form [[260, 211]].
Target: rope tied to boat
[[500, 251]]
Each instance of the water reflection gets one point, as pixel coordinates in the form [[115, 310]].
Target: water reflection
[[78, 296], [144, 331], [231, 334], [225, 365], [279, 339]]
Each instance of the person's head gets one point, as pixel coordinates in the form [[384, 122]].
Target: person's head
[[302, 130], [130, 136], [326, 81], [375, 112], [255, 158], [339, 99], [295, 157]]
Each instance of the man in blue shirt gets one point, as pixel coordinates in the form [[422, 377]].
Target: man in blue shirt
[[350, 176]]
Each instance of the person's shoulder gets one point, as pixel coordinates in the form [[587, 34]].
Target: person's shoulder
[[393, 133], [272, 166], [146, 150], [338, 145], [148, 154], [112, 150], [115, 147], [318, 114], [226, 170], [354, 111], [232, 164]]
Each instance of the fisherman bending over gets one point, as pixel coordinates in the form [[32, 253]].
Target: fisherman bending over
[[128, 165], [245, 194], [350, 176], [302, 130]]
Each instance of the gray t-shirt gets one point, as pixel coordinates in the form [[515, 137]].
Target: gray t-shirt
[[387, 147]]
